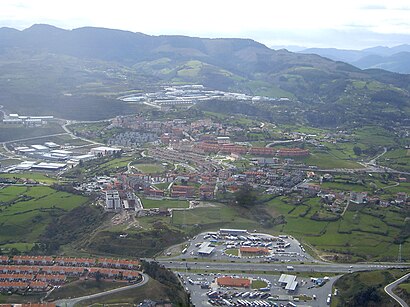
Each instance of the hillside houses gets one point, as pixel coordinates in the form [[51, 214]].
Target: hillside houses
[[40, 273]]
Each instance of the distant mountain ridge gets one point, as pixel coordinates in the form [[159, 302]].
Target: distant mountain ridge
[[72, 73], [394, 59]]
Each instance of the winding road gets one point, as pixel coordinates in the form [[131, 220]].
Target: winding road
[[73, 301], [389, 290]]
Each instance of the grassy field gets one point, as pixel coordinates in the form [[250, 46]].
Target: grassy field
[[374, 136], [26, 211], [20, 299], [152, 290], [45, 178], [257, 284], [328, 160], [16, 132], [83, 287], [154, 203], [398, 159], [232, 251], [150, 167], [362, 234], [365, 289], [64, 139]]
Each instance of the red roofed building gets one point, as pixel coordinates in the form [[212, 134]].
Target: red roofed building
[[228, 281], [52, 279], [4, 259], [39, 285], [262, 151], [75, 261], [182, 191], [206, 191], [16, 277], [19, 269], [15, 285], [253, 251], [38, 260], [154, 192]]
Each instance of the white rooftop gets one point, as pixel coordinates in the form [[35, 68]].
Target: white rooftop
[[289, 280], [39, 147], [205, 249]]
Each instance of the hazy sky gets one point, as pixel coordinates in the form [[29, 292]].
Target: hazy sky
[[351, 24]]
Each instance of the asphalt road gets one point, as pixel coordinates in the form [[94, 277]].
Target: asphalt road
[[389, 290], [73, 301], [249, 267]]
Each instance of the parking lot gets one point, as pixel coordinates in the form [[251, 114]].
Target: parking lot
[[227, 247], [205, 292]]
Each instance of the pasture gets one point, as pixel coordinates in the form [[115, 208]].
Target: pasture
[[26, 211], [365, 233]]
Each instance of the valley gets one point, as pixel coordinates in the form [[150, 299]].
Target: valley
[[288, 173]]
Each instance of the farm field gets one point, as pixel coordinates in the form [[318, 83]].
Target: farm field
[[325, 159], [26, 211], [397, 159], [40, 177], [360, 234]]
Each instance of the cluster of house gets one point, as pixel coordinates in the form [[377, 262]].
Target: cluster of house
[[132, 139], [39, 273], [336, 201], [29, 305], [184, 154]]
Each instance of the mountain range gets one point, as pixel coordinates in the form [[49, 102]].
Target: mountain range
[[79, 74], [394, 59]]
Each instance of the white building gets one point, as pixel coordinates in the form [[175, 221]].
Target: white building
[[112, 200]]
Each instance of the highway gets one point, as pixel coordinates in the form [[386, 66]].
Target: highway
[[389, 290], [73, 301], [253, 267]]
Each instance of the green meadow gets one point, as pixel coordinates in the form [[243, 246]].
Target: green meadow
[[26, 212]]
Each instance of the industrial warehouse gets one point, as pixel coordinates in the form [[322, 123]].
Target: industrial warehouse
[[52, 157]]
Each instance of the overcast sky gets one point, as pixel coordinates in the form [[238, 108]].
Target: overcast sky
[[352, 24]]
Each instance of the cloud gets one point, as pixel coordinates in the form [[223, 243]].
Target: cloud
[[373, 7]]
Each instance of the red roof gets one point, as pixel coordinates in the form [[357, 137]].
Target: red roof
[[228, 281], [255, 250], [13, 284]]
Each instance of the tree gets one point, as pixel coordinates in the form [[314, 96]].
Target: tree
[[245, 196], [98, 276], [357, 150]]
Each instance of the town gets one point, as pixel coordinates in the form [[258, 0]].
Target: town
[[184, 175]]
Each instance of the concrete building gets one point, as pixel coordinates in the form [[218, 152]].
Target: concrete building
[[205, 249], [288, 281], [112, 200]]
